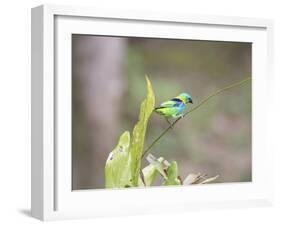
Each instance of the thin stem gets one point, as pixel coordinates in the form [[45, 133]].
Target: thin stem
[[193, 109]]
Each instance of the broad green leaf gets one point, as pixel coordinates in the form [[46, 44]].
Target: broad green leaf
[[150, 171], [172, 174], [118, 172], [122, 167], [139, 131]]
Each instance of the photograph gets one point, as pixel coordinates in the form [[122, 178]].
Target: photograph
[[150, 111]]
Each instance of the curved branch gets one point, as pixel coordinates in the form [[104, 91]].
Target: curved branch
[[193, 109]]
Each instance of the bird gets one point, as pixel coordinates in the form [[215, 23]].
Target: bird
[[174, 108]]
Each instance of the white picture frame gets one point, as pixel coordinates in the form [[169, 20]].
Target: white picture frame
[[52, 197]]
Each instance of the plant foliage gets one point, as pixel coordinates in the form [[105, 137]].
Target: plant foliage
[[123, 165]]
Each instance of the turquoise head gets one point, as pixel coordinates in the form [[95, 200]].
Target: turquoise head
[[185, 98]]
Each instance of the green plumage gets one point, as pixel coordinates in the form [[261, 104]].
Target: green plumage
[[168, 112], [174, 108]]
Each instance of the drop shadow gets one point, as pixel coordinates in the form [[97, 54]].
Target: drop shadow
[[26, 212]]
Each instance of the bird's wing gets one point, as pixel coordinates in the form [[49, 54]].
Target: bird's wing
[[169, 104]]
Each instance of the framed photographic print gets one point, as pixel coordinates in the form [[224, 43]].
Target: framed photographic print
[[136, 112]]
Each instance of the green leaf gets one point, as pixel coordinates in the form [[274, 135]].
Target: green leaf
[[158, 165], [118, 172], [172, 174], [122, 167], [139, 131], [150, 171]]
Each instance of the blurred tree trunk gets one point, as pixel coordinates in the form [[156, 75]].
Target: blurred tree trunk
[[97, 90]]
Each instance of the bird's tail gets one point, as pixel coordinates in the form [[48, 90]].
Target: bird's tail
[[159, 110]]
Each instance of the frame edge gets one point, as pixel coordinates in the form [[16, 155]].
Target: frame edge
[[39, 185], [37, 39]]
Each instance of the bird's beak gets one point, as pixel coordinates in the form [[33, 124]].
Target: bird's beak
[[190, 101]]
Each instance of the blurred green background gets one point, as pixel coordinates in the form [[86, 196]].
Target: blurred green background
[[108, 86]]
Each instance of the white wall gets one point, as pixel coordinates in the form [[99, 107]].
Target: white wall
[[15, 112]]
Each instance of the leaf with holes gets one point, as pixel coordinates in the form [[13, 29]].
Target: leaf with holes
[[122, 167], [118, 172]]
